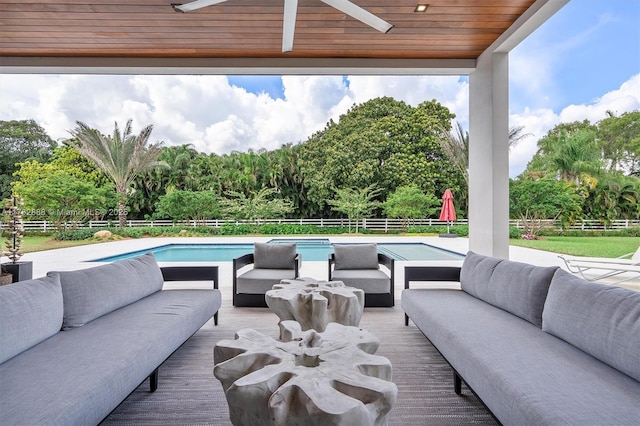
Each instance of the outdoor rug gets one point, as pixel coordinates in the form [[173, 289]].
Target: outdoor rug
[[189, 394]]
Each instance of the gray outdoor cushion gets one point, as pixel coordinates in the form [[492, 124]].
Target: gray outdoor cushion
[[356, 256], [516, 287], [90, 293], [524, 375], [274, 256], [259, 281], [78, 376], [30, 312], [369, 280], [602, 320]]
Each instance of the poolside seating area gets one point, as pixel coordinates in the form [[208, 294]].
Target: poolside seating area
[[189, 393]]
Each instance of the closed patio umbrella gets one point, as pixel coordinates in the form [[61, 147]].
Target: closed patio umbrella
[[448, 212]]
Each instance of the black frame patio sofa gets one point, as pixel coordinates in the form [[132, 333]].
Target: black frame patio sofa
[[537, 345], [75, 344]]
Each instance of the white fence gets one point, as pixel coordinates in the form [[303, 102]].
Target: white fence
[[378, 225]]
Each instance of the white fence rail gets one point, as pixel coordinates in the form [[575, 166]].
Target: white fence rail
[[379, 225]]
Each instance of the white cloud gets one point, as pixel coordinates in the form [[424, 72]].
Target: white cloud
[[539, 121], [214, 116]]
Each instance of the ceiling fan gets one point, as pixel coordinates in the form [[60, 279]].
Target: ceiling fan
[[290, 10]]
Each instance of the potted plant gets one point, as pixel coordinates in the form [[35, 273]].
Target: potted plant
[[20, 271]]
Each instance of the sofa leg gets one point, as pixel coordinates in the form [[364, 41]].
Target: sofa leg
[[406, 319], [457, 383], [215, 318], [153, 380]]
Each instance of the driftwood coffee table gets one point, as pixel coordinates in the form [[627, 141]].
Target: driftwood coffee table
[[306, 378], [314, 304]]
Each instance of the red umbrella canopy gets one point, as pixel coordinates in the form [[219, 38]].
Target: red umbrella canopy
[[448, 212]]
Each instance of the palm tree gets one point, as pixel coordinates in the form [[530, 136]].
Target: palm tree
[[455, 146], [121, 156], [576, 155]]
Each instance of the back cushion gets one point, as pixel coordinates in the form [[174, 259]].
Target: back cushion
[[356, 256], [274, 256], [602, 320], [516, 287], [91, 293], [30, 312]]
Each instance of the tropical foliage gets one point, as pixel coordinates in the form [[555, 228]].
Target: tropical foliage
[[383, 157], [121, 156], [21, 141], [409, 202]]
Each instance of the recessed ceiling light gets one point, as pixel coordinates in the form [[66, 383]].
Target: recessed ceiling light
[[421, 8]]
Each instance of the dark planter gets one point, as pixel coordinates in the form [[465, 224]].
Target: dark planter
[[21, 271]]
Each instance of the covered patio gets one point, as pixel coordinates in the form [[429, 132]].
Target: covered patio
[[461, 37]]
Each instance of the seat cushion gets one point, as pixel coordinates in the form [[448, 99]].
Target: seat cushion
[[90, 293], [524, 375], [259, 281], [369, 280], [518, 288], [602, 320], [30, 312], [78, 376], [356, 256], [274, 256]]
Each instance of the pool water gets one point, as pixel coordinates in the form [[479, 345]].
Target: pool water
[[309, 249]]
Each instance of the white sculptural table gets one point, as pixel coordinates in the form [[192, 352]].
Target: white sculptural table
[[307, 377], [314, 303]]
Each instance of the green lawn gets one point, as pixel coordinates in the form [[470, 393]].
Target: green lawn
[[31, 244], [583, 246]]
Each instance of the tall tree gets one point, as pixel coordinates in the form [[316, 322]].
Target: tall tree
[[382, 141], [455, 145], [121, 156], [569, 152], [21, 140], [619, 139]]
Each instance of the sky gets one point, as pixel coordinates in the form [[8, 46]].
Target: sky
[[581, 63]]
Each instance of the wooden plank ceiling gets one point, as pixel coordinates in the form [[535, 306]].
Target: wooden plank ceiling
[[450, 29]]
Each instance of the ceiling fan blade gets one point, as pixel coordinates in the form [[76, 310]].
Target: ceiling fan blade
[[198, 4], [289, 24], [355, 11]]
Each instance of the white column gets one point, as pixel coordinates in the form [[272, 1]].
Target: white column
[[489, 156]]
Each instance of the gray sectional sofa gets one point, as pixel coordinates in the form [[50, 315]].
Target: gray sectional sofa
[[73, 345], [538, 345]]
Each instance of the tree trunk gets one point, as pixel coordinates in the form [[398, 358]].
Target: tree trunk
[[122, 214]]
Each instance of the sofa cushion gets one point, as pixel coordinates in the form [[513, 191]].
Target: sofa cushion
[[79, 376], [518, 288], [525, 376], [259, 281], [356, 256], [30, 312], [370, 280], [602, 320], [274, 256], [90, 293]]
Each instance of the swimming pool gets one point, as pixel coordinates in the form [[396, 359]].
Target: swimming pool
[[309, 249]]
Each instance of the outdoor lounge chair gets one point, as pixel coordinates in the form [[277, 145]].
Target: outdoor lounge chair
[[358, 265], [619, 269], [271, 264]]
